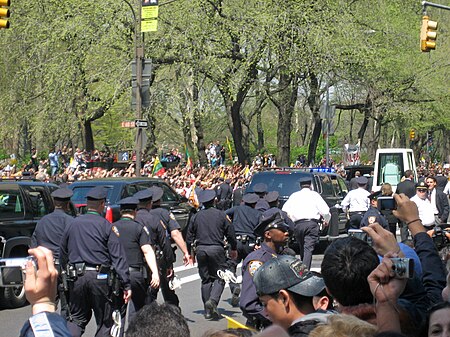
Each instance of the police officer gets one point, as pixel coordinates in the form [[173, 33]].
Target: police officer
[[135, 239], [206, 232], [272, 199], [305, 208], [223, 194], [245, 219], [50, 228], [274, 231], [89, 247], [261, 190], [373, 214], [356, 203], [158, 238], [173, 229]]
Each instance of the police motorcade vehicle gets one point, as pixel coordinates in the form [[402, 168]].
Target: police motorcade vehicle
[[325, 181], [120, 188], [22, 204]]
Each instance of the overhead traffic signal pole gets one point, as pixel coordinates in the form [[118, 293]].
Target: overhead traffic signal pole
[[428, 31]]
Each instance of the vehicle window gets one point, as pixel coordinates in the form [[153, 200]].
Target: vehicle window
[[80, 192], [327, 185], [284, 182], [342, 185], [37, 196], [169, 194], [130, 190], [390, 168], [11, 204]]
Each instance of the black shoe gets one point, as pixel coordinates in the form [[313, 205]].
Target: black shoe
[[211, 307], [208, 310], [235, 297]]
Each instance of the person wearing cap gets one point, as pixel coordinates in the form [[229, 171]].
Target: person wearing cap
[[260, 189], [206, 233], [245, 219], [426, 209], [224, 193], [158, 239], [306, 208], [50, 228], [135, 239], [373, 214], [275, 233], [90, 245], [272, 199], [356, 203], [286, 289], [173, 230]]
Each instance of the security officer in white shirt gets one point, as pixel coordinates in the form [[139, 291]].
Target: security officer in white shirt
[[305, 208], [356, 202]]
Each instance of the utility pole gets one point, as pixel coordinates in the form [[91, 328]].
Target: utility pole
[[139, 55]]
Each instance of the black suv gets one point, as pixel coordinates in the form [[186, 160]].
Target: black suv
[[22, 204], [119, 188], [328, 184]]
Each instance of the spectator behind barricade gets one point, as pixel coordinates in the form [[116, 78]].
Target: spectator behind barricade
[[158, 320]]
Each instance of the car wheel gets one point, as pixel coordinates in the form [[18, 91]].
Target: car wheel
[[14, 297]]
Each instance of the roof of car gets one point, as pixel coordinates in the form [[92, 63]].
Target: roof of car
[[118, 180]]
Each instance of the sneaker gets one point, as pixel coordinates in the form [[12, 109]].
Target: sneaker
[[235, 297]]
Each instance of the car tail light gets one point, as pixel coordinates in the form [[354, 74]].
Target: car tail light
[[109, 214]]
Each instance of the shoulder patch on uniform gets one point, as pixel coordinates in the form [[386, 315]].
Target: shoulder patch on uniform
[[372, 219], [253, 266], [171, 216], [115, 230], [146, 230], [228, 218]]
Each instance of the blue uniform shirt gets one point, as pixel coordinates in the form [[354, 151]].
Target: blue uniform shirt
[[373, 215]]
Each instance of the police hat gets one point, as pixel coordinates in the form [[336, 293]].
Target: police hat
[[286, 272], [157, 193], [62, 194], [422, 186], [362, 180], [272, 196], [206, 195], [221, 179], [374, 195], [273, 221], [97, 193], [144, 195], [250, 198], [128, 203], [228, 180], [260, 188]]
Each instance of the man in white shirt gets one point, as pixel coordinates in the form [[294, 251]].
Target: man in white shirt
[[356, 202], [305, 208], [426, 209]]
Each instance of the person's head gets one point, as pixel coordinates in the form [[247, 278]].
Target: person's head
[[61, 198], [422, 190], [156, 320], [128, 206], [250, 199], [305, 182], [357, 174], [409, 174], [344, 325], [272, 198], [228, 333], [438, 320], [373, 197], [260, 189], [322, 300], [274, 230], [386, 189], [285, 288], [145, 198], [96, 198], [362, 181], [346, 264], [431, 182], [446, 290], [207, 198]]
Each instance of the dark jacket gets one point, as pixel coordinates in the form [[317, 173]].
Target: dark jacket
[[442, 205], [407, 187], [303, 327]]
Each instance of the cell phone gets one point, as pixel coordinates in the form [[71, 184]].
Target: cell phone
[[386, 203], [12, 270], [358, 233]]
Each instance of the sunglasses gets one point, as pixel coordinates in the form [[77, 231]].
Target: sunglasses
[[422, 191]]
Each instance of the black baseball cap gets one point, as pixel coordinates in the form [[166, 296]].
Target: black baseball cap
[[288, 273], [273, 221]]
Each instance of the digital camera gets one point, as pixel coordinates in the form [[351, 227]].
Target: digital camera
[[403, 267], [359, 234], [386, 203], [12, 270]]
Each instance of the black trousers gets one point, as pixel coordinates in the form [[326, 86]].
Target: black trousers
[[169, 295], [210, 259], [139, 287], [86, 295], [355, 220], [307, 234]]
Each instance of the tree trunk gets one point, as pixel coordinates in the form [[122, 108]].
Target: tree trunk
[[313, 103], [88, 135]]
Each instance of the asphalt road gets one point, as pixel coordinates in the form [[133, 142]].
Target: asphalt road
[[11, 321]]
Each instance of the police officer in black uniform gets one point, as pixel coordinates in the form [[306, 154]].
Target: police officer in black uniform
[[224, 192], [135, 239], [261, 190], [173, 231], [206, 232], [245, 219], [274, 231], [158, 237], [90, 247], [373, 214]]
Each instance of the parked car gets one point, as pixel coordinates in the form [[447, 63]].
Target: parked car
[[22, 204], [119, 188], [328, 184]]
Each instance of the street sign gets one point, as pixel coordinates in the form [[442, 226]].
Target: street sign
[[128, 124], [141, 123]]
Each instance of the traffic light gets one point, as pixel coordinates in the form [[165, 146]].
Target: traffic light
[[4, 13], [412, 134], [428, 34]]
